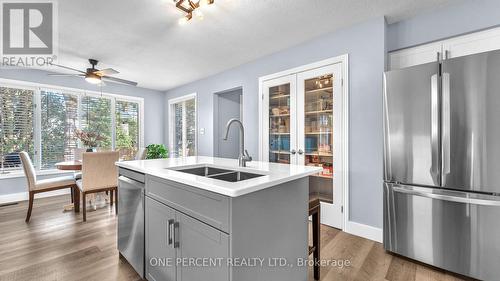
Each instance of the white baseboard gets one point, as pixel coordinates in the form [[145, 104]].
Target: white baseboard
[[23, 196], [365, 231]]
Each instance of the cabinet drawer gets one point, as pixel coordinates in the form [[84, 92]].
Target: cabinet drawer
[[132, 175], [203, 205]]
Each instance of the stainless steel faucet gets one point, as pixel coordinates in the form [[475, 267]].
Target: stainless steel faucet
[[243, 158]]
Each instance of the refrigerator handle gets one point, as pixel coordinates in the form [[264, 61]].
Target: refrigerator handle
[[451, 196], [446, 124], [435, 168]]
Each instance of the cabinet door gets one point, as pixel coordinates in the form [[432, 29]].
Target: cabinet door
[[319, 119], [197, 241], [415, 56], [160, 253], [474, 43], [279, 119]]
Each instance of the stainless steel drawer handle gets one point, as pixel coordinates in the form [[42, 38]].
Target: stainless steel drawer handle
[[446, 197], [176, 235], [169, 231]]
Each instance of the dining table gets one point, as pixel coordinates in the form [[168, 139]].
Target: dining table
[[73, 165]]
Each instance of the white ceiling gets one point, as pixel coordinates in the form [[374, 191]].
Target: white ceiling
[[142, 39]]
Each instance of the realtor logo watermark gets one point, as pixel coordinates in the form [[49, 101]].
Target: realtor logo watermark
[[29, 33]]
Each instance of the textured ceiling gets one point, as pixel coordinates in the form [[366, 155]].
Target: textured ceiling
[[141, 38]]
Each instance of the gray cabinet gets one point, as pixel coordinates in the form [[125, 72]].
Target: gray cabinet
[[197, 241], [159, 242], [174, 241], [187, 224]]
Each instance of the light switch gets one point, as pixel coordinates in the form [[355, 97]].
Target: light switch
[[202, 131]]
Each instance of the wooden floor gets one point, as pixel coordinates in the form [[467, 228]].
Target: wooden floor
[[57, 245]]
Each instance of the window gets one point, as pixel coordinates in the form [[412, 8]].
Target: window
[[59, 120], [43, 123], [96, 117], [127, 128], [182, 124], [16, 126]]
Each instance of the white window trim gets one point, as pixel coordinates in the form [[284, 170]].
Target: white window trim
[[171, 118], [37, 88]]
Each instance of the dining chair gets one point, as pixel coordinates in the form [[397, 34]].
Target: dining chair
[[99, 174], [77, 156], [141, 153], [37, 186]]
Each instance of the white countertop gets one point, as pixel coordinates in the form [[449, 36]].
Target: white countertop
[[274, 173]]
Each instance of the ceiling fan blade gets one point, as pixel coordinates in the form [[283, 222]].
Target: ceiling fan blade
[[66, 67], [107, 71], [65, 75], [118, 80]]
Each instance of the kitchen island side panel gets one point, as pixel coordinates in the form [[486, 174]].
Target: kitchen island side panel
[[268, 224]]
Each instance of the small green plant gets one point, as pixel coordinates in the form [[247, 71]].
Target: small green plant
[[156, 151]]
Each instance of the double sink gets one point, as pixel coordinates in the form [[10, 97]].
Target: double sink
[[218, 173]]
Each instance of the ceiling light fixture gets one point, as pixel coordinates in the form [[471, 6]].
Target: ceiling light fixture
[[191, 8], [93, 78]]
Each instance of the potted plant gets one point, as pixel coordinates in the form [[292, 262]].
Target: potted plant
[[89, 139], [156, 151]]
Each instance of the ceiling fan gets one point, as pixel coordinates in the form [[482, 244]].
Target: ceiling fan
[[94, 75]]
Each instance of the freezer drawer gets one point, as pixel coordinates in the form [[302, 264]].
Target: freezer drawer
[[456, 231]]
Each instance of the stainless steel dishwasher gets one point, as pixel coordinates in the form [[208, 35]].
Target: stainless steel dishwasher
[[131, 219]]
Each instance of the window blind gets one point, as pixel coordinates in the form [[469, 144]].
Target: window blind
[[16, 126], [59, 113], [96, 117], [127, 128]]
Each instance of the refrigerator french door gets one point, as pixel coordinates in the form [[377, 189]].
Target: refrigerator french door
[[442, 163]]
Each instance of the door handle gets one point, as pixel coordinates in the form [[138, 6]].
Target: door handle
[[452, 196], [446, 124], [293, 151], [176, 235], [435, 130], [300, 152], [169, 231]]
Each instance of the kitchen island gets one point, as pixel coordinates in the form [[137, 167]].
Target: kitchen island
[[209, 219]]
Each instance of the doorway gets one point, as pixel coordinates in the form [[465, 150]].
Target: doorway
[[227, 105]]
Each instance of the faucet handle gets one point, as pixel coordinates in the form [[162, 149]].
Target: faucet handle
[[247, 156]]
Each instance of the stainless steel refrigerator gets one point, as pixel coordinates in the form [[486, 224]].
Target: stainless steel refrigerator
[[442, 164]]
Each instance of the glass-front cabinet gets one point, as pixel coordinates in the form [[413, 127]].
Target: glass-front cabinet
[[280, 113], [299, 126]]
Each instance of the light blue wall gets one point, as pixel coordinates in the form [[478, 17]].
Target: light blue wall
[[365, 45], [462, 17], [153, 104]]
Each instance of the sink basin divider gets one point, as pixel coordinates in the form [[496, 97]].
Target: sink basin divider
[[220, 174]]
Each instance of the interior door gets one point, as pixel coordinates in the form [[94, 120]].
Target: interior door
[[279, 126], [411, 125], [159, 241], [319, 119], [471, 130], [197, 240]]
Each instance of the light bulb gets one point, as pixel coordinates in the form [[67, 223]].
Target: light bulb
[[93, 78], [198, 14], [203, 3], [183, 20]]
